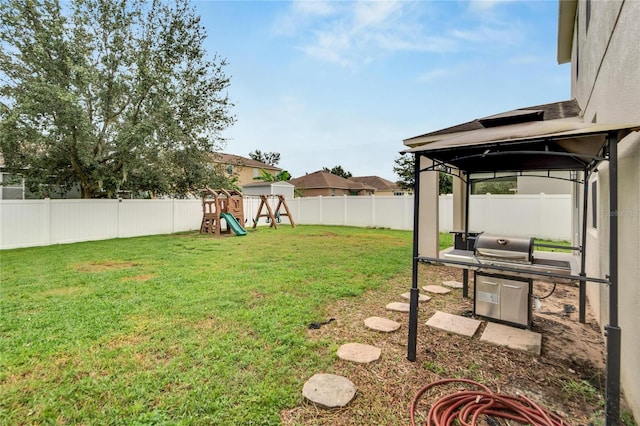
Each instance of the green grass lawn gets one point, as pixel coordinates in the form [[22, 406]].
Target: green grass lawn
[[178, 329]]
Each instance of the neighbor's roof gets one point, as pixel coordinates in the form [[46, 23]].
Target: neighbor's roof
[[223, 158], [380, 184], [322, 180]]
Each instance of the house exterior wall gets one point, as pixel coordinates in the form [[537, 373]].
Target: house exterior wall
[[245, 174], [606, 84]]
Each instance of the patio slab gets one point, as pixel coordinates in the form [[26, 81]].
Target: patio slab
[[381, 324], [511, 337], [359, 352], [454, 323], [329, 390], [398, 307]]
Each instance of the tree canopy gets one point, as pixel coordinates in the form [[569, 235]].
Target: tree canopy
[[270, 158], [404, 168], [338, 171], [113, 95]]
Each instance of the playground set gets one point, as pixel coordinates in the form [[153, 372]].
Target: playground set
[[228, 205]]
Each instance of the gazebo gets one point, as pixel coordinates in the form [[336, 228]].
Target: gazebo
[[516, 144]]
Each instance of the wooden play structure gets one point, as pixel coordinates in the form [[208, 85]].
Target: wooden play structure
[[273, 215], [222, 204]]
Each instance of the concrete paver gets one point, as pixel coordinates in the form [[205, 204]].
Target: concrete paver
[[511, 337], [382, 324], [454, 323], [398, 307], [437, 289], [421, 297], [453, 284], [329, 390], [359, 352]]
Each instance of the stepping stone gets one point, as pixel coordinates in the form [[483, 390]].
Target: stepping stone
[[398, 307], [454, 323], [358, 352], [436, 289], [329, 390], [511, 337], [453, 284], [421, 297], [381, 324]]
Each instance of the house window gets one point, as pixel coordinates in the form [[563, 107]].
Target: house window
[[333, 192], [594, 204], [229, 169], [12, 187], [256, 172]]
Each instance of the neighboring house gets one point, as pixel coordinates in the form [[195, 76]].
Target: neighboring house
[[13, 187], [382, 186], [327, 185], [246, 170], [602, 41]]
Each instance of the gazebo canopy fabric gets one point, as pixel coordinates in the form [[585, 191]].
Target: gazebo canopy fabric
[[563, 144]]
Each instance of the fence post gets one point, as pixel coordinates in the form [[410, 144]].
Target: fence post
[[47, 214], [344, 210], [373, 210]]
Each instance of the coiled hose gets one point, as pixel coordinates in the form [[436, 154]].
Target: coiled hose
[[467, 406]]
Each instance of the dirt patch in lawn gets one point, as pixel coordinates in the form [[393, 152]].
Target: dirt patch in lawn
[[108, 265], [567, 378]]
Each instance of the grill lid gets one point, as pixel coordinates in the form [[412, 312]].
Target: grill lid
[[514, 249]]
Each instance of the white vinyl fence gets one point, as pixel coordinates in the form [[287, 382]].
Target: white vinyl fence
[[28, 223]]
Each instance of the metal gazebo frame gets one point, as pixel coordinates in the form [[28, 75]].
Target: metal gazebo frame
[[555, 145]]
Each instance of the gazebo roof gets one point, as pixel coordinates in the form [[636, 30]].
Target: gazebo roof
[[562, 144]]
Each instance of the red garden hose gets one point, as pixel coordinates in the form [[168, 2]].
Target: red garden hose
[[467, 406]]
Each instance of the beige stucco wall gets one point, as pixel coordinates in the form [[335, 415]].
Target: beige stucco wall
[[606, 84]]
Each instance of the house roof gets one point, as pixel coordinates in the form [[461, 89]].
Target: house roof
[[550, 111], [322, 180], [223, 158], [380, 184]]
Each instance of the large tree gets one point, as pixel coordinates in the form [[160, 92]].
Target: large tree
[[404, 167], [270, 158], [338, 171], [112, 95]]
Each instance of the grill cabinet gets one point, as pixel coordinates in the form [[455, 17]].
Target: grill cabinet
[[503, 297]]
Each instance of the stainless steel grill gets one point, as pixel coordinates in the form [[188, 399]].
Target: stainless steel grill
[[509, 249]]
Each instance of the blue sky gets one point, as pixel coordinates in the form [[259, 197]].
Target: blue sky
[[328, 83]]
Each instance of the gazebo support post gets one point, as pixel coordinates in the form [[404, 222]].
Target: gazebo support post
[[415, 291], [612, 330], [582, 296], [465, 271]]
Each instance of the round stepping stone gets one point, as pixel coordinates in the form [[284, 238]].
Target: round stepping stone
[[329, 390], [453, 284], [381, 324], [421, 297], [398, 307], [436, 289], [358, 352]]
